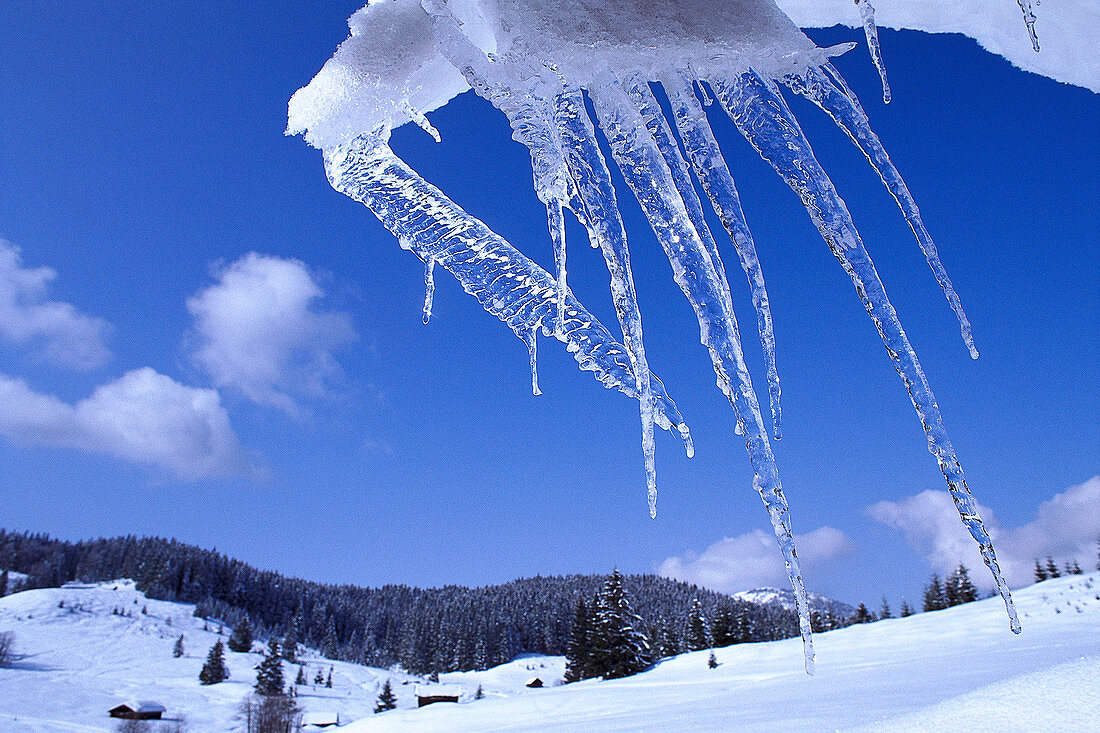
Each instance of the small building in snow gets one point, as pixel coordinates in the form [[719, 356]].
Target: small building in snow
[[534, 682], [320, 720], [144, 710], [428, 694]]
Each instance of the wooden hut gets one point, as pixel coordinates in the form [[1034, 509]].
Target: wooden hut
[[144, 710]]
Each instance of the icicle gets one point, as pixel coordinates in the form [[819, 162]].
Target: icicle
[[422, 122], [598, 211], [649, 176], [867, 13], [531, 339], [504, 281], [1029, 21], [836, 100], [762, 116], [429, 287], [557, 235], [710, 168]]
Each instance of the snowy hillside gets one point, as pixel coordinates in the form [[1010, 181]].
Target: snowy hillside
[[78, 658], [958, 669]]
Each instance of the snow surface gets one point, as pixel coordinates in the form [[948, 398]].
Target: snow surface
[[76, 662], [1067, 29], [949, 670]]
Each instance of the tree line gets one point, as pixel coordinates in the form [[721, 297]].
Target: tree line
[[453, 628]]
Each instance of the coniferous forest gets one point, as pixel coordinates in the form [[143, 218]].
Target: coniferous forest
[[424, 630]]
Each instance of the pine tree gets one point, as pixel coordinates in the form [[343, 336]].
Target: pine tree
[[177, 650], [906, 609], [1074, 569], [1052, 568], [712, 661], [933, 595], [722, 629], [698, 630], [578, 650], [214, 671], [386, 699], [269, 672], [1040, 572], [959, 589], [434, 676], [289, 648], [319, 678], [328, 681], [301, 678], [884, 611], [862, 615], [619, 648], [3, 583], [241, 638]]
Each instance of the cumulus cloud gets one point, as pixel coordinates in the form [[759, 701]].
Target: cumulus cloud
[[144, 417], [258, 331], [752, 560], [55, 331], [1065, 527]]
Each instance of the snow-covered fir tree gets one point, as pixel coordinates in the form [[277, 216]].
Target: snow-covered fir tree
[[698, 630], [241, 638], [386, 699], [934, 599], [884, 610], [619, 648], [177, 649], [269, 672], [958, 588], [906, 609], [578, 652], [214, 670], [862, 615]]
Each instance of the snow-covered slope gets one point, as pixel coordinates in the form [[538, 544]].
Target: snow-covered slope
[[950, 670], [1067, 29], [77, 658], [954, 670]]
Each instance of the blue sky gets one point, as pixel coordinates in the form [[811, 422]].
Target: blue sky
[[225, 350]]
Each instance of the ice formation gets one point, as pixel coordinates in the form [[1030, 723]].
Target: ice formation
[[562, 72]]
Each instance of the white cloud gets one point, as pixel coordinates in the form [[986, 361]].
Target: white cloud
[[257, 331], [752, 560], [144, 417], [54, 330], [1065, 527]]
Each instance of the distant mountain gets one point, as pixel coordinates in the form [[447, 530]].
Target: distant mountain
[[785, 599]]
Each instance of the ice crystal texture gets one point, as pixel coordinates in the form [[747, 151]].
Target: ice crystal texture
[[544, 65]]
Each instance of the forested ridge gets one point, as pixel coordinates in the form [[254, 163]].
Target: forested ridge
[[436, 629]]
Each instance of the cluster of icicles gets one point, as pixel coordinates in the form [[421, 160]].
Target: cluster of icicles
[[557, 117]]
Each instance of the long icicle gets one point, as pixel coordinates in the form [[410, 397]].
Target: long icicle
[[836, 101], [648, 175], [867, 15], [506, 283], [598, 211], [762, 116], [1029, 21], [710, 168]]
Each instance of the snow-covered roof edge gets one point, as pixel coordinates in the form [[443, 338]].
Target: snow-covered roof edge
[[1067, 29]]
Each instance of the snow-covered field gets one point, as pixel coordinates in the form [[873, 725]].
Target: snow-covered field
[[958, 669]]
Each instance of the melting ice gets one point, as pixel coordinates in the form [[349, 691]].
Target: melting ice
[[543, 65]]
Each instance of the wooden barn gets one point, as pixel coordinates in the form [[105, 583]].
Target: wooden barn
[[144, 710], [428, 694], [534, 682]]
